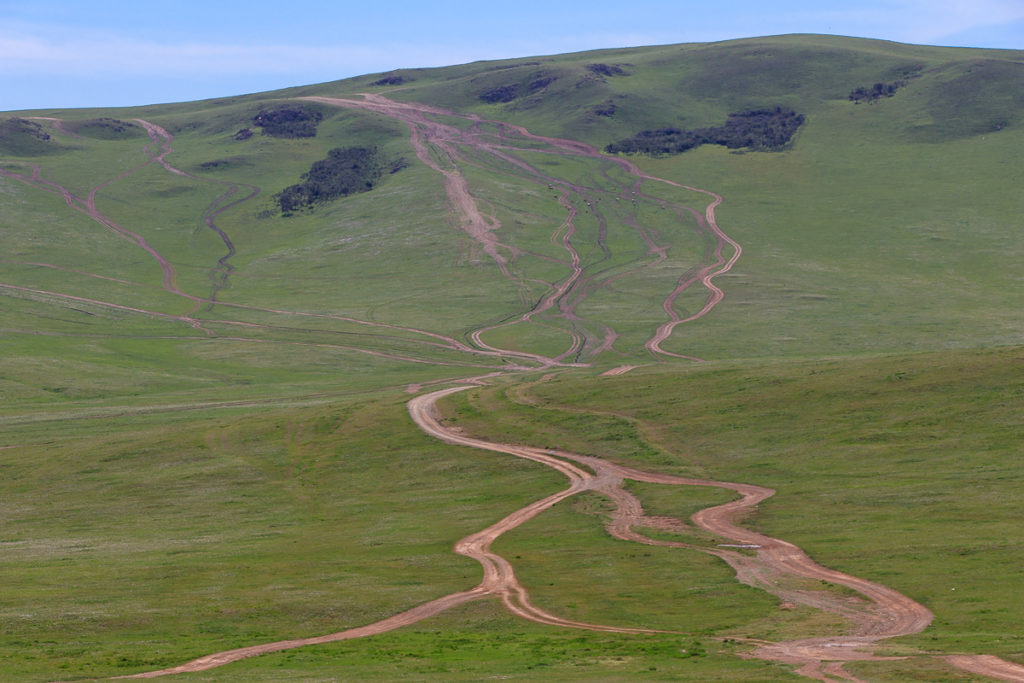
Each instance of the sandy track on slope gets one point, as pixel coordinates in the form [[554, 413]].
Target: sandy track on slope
[[427, 133], [498, 576], [157, 150], [887, 614], [88, 207], [990, 666], [620, 370]]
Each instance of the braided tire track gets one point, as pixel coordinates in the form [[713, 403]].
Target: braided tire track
[[887, 614], [499, 578], [571, 290], [704, 275], [990, 666], [88, 207], [157, 150], [160, 137]]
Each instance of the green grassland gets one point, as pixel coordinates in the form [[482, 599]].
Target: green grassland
[[911, 456], [230, 464]]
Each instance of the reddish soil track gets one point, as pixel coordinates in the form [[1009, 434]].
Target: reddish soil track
[[58, 124], [704, 275], [157, 151], [621, 370], [990, 666], [882, 613], [434, 140], [88, 207], [424, 131], [220, 274], [879, 614]]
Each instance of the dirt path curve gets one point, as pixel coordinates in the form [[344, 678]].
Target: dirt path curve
[[704, 275], [435, 145], [162, 139], [88, 207], [620, 370], [438, 145], [406, 618], [887, 613], [58, 125], [990, 666], [426, 135], [499, 578]]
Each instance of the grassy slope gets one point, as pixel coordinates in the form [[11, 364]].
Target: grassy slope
[[892, 220], [912, 456], [886, 228]]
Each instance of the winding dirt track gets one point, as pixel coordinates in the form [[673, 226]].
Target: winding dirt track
[[441, 146], [88, 207], [222, 271], [881, 612], [157, 150], [445, 148], [990, 666], [884, 614]]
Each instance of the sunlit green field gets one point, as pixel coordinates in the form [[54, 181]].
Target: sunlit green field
[[216, 453]]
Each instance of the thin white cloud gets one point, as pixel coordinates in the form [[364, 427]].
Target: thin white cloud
[[919, 21], [932, 21], [60, 51], [27, 49]]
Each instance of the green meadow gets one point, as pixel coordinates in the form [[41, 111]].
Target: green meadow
[[226, 459]]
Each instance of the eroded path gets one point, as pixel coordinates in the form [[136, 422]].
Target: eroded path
[[449, 147], [881, 612], [500, 147], [157, 150]]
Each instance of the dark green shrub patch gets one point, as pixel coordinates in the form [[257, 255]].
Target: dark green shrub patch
[[345, 171], [288, 122], [756, 129]]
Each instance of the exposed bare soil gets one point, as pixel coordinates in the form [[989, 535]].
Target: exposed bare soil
[[884, 614], [990, 666], [446, 147]]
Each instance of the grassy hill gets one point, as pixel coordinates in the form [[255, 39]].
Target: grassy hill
[[204, 443]]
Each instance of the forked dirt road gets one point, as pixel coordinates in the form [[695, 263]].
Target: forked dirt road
[[443, 147], [878, 614], [881, 612]]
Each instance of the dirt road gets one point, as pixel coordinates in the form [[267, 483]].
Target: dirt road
[[447, 148], [879, 613], [884, 613], [989, 666]]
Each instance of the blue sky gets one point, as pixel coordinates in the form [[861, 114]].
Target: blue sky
[[81, 53]]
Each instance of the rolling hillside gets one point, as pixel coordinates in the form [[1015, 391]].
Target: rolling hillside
[[789, 262]]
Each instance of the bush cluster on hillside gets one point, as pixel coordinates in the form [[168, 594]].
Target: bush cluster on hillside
[[757, 129], [499, 94], [345, 171], [15, 126], [878, 90], [607, 69], [506, 93], [288, 122], [22, 137], [106, 128], [606, 108]]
